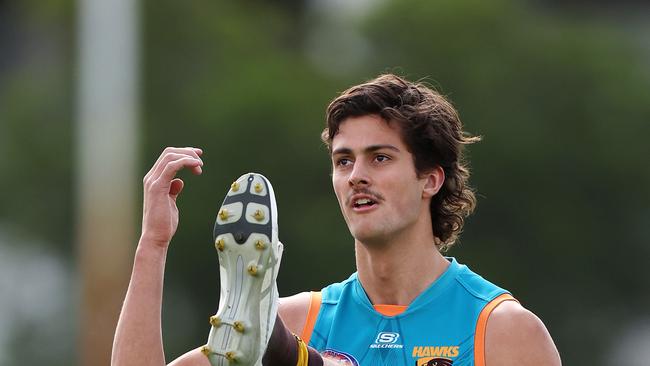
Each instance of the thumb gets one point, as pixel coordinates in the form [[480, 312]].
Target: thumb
[[176, 187]]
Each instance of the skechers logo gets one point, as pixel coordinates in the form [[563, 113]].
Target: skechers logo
[[387, 340]]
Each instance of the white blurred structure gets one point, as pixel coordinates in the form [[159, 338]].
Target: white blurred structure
[[107, 112], [631, 347], [36, 288], [334, 43]]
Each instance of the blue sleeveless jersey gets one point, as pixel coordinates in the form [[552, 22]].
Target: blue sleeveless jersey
[[436, 329]]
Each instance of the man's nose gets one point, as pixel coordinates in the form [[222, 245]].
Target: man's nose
[[359, 175]]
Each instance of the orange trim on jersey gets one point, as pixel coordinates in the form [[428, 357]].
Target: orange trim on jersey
[[312, 315], [481, 326], [390, 310]]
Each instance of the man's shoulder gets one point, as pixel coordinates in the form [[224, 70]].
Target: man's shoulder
[[511, 317], [294, 310], [516, 336]]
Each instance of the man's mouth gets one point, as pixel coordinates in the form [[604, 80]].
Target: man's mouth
[[364, 199], [363, 202]]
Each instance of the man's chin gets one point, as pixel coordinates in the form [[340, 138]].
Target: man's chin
[[368, 235]]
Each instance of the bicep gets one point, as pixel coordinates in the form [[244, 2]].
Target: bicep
[[294, 310], [516, 336]]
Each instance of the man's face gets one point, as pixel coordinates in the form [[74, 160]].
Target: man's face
[[375, 181]]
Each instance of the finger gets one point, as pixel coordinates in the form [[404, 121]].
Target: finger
[[169, 158], [168, 153], [172, 153], [198, 170], [176, 187], [172, 167]]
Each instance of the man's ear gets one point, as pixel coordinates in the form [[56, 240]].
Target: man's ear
[[434, 181]]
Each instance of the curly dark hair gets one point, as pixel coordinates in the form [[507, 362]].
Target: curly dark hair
[[433, 133]]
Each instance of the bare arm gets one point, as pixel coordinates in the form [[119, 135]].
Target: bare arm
[[293, 311], [516, 337], [138, 338]]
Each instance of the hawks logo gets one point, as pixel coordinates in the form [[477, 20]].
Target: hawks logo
[[435, 355], [428, 361]]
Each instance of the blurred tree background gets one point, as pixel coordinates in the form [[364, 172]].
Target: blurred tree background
[[559, 92]]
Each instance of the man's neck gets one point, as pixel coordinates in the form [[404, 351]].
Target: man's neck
[[396, 273]]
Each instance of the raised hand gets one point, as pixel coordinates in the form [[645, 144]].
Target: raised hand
[[161, 188]]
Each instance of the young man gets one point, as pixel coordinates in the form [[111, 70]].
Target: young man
[[401, 182]]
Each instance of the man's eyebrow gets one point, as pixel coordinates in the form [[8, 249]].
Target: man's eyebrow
[[368, 149], [342, 151], [373, 148]]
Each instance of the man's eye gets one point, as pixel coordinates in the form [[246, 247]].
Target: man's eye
[[382, 158], [343, 162]]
